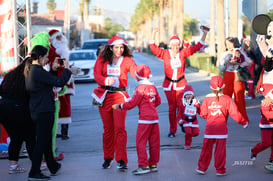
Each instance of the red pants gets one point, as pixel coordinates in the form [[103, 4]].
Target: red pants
[[219, 155], [250, 82], [189, 133], [238, 88], [148, 133], [267, 141], [172, 97], [114, 135]]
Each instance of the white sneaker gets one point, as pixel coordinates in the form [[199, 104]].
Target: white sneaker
[[200, 172]]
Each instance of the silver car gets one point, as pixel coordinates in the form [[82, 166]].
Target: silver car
[[85, 60]]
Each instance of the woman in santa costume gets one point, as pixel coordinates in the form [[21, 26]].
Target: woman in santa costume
[[187, 111], [216, 108], [111, 74], [265, 86], [230, 67], [174, 67], [59, 49], [147, 99]]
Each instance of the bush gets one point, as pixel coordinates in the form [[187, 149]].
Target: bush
[[203, 61]]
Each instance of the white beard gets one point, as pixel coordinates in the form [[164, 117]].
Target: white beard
[[61, 47]]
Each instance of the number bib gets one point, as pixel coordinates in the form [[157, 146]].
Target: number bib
[[175, 63], [113, 71], [190, 110]]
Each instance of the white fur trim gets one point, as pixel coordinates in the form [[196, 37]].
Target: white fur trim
[[55, 35], [218, 88], [70, 91], [216, 136], [145, 81], [66, 120], [191, 125], [147, 121], [174, 41], [119, 42], [269, 94], [188, 92]]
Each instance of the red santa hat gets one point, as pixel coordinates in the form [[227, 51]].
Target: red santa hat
[[174, 39], [216, 83], [188, 90], [117, 40], [143, 72], [186, 43], [54, 33], [267, 90]]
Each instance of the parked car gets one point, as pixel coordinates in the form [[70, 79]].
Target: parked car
[[84, 59], [94, 43]]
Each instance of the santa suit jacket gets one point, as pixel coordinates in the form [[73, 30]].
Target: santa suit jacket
[[125, 65], [174, 70], [217, 114], [188, 112], [147, 99], [267, 117]]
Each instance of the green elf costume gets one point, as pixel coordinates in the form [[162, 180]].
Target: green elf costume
[[43, 39]]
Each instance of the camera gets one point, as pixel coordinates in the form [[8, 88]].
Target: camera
[[204, 28], [61, 61]]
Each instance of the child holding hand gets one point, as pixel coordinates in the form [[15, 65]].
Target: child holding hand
[[147, 99]]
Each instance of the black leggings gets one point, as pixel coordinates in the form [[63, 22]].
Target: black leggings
[[15, 117], [44, 124]]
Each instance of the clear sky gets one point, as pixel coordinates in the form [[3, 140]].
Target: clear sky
[[200, 11]]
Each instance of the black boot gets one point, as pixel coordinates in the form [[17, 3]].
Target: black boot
[[64, 132]]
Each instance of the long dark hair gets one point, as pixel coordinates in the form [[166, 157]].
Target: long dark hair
[[107, 54], [14, 82], [37, 52], [234, 41]]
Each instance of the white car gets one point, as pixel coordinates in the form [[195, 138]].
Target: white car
[[85, 60]]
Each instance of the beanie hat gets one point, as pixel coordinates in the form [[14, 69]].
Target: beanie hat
[[54, 33], [117, 40], [174, 39], [216, 83], [143, 72], [267, 90], [188, 90]]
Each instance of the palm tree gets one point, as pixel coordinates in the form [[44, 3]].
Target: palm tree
[[233, 28], [51, 6]]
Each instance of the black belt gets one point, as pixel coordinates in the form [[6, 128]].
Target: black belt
[[114, 89], [175, 80]]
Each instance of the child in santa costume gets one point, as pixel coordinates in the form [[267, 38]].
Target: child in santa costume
[[186, 116], [58, 48], [147, 99], [216, 108], [174, 67], [111, 73]]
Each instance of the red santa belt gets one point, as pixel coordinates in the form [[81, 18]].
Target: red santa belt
[[175, 80], [113, 89]]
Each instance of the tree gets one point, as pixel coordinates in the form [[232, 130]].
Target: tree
[[112, 28], [51, 6]]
